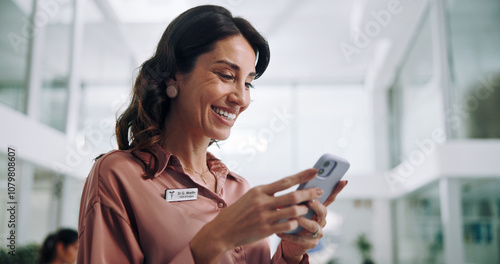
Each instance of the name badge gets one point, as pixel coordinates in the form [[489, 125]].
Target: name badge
[[176, 195]]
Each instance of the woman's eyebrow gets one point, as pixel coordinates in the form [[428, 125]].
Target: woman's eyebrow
[[233, 66]]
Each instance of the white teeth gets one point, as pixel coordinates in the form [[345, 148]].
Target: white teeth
[[224, 114]]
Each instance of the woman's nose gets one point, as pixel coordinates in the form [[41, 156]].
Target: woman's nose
[[240, 95]]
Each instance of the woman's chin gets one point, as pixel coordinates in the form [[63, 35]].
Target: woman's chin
[[221, 136]]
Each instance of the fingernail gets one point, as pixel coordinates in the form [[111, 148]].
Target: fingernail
[[346, 182], [312, 201], [319, 191]]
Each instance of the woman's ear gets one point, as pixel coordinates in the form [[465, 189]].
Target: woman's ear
[[171, 81]]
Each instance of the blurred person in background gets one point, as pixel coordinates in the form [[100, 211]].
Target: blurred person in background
[[59, 247], [162, 198]]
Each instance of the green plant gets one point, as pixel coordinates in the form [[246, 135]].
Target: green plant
[[434, 249], [27, 254], [364, 246]]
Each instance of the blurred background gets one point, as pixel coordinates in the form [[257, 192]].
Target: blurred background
[[407, 91]]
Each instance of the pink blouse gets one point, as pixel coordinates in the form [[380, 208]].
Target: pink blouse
[[125, 218]]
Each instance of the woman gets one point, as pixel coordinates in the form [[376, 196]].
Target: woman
[[60, 247], [162, 198]]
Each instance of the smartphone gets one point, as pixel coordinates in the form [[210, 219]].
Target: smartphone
[[330, 170]]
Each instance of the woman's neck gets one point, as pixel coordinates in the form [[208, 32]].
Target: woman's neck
[[191, 150]]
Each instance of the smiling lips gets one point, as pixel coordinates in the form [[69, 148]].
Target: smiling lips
[[224, 114]]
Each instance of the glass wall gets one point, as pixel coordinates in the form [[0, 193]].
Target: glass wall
[[418, 229], [35, 48], [418, 112], [416, 98], [55, 64], [474, 46], [481, 220], [15, 35]]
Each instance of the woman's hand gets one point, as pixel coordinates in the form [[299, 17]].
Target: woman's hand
[[255, 216], [295, 246]]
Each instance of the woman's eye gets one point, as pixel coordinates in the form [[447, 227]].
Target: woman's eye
[[249, 85], [225, 76]]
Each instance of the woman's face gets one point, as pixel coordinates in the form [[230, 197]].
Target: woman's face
[[67, 254], [216, 91]]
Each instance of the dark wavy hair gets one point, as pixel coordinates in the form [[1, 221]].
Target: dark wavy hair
[[48, 249], [188, 36]]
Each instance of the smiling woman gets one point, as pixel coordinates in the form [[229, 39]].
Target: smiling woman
[[193, 33], [162, 198]]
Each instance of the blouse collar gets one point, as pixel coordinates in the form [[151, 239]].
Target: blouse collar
[[166, 159]]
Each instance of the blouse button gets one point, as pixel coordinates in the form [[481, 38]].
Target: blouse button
[[221, 204]]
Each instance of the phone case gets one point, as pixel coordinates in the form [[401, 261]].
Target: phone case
[[330, 170]]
